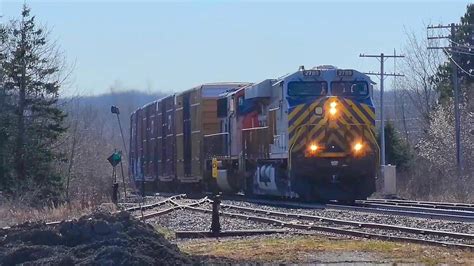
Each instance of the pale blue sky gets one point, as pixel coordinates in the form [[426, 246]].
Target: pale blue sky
[[172, 46]]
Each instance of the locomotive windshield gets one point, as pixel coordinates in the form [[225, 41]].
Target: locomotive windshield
[[307, 88], [349, 88]]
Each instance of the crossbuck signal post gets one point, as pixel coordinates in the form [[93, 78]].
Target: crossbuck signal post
[[382, 57]]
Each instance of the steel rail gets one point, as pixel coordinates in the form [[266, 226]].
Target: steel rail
[[417, 213], [153, 205], [341, 231], [404, 212], [168, 210], [432, 205], [462, 204], [354, 223], [454, 212]]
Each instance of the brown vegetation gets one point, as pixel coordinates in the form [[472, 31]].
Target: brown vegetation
[[314, 249]]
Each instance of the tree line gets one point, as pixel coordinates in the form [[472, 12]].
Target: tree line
[[31, 73], [427, 161]]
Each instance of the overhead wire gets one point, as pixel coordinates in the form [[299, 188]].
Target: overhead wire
[[456, 63], [461, 52], [460, 45]]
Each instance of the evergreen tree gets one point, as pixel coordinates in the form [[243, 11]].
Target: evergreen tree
[[5, 121], [397, 151], [463, 55], [31, 83]]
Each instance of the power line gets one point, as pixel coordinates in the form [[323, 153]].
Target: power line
[[456, 63], [454, 66], [461, 45], [461, 52]]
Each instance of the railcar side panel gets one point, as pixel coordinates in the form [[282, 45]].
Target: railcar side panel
[[196, 135], [132, 145], [166, 139], [160, 148], [148, 144], [153, 167], [179, 127], [139, 146]]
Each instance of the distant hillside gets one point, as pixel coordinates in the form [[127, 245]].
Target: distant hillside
[[127, 101], [95, 110]]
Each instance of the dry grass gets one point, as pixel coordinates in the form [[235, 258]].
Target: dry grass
[[14, 213], [307, 249]]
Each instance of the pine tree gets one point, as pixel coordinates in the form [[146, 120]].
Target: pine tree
[[5, 122], [31, 80], [397, 151], [463, 39]]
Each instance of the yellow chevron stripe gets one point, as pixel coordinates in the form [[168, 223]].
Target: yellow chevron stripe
[[313, 130], [371, 115], [298, 121], [358, 111], [295, 111], [303, 115], [302, 140], [351, 132], [349, 116], [369, 111], [298, 134], [298, 146], [317, 126]]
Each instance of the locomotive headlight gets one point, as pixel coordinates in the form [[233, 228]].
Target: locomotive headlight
[[313, 147], [332, 108]]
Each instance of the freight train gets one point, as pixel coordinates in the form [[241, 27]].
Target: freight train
[[309, 134]]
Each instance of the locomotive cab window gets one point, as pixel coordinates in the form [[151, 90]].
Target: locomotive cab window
[[307, 88], [349, 88]]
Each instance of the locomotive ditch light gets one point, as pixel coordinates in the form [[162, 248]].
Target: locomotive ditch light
[[358, 147], [312, 150]]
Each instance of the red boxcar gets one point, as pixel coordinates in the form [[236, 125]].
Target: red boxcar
[[166, 144]]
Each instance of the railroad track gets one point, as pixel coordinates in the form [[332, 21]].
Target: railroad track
[[346, 227], [165, 206], [409, 211], [307, 222], [422, 204], [369, 207]]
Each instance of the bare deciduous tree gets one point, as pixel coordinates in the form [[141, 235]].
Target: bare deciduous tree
[[420, 66]]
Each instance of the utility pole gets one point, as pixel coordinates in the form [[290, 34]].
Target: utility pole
[[457, 117], [454, 68], [382, 57]]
